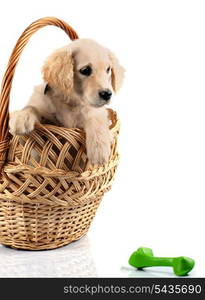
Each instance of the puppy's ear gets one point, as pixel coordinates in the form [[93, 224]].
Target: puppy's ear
[[58, 69], [117, 72]]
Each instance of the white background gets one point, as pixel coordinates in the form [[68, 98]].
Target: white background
[[158, 196]]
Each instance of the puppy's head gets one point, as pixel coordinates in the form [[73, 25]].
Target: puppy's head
[[85, 71]]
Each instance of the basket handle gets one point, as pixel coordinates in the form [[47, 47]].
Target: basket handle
[[8, 76]]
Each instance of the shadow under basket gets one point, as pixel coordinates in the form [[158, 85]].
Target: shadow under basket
[[49, 193]]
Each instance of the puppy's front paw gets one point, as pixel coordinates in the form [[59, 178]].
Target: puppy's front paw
[[98, 152], [22, 122]]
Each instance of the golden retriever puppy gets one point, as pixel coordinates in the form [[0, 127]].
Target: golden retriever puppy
[[79, 81]]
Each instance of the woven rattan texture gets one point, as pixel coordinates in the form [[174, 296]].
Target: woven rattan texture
[[49, 193]]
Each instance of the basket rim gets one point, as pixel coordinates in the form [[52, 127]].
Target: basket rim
[[113, 117]]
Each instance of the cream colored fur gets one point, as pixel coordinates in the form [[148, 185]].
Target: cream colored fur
[[73, 99]]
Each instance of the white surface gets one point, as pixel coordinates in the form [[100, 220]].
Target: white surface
[[158, 196]]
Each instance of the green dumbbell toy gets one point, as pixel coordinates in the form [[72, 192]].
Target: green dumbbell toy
[[144, 257]]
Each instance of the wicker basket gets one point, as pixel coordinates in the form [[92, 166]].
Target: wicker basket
[[47, 200]]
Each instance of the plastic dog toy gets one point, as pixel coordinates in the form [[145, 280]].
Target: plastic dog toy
[[144, 257]]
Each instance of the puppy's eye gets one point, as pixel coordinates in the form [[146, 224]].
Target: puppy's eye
[[108, 70], [86, 71]]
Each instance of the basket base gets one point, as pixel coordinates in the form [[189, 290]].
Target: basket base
[[44, 228], [44, 247]]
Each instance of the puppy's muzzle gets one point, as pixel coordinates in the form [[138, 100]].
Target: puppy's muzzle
[[105, 95]]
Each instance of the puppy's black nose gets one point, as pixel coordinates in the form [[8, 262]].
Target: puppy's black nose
[[105, 94]]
